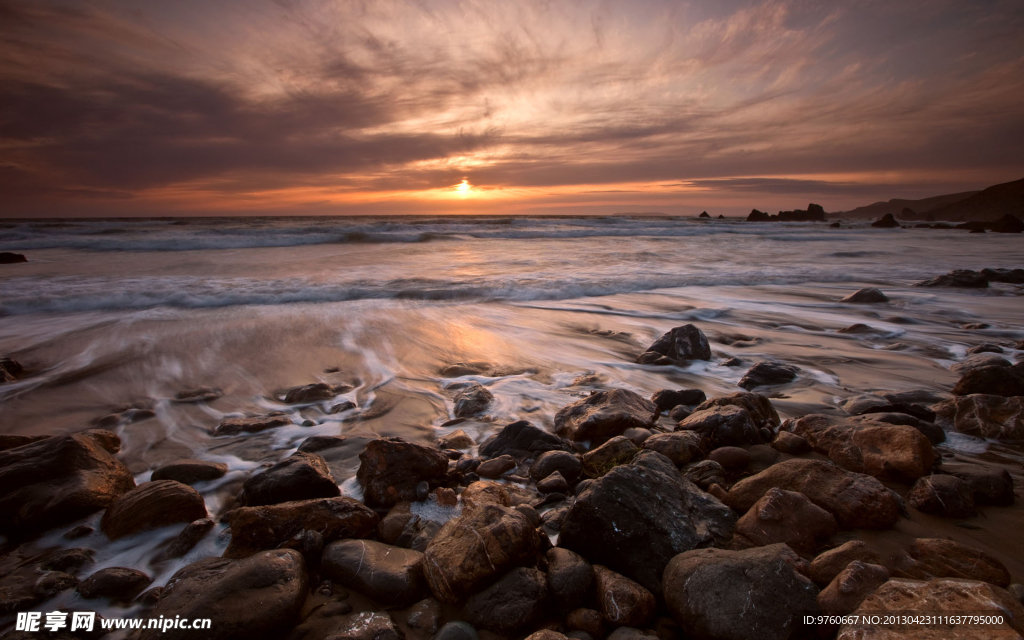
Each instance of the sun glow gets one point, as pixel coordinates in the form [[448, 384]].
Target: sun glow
[[464, 188]]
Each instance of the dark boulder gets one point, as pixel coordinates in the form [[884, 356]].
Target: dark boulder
[[388, 575], [829, 564], [315, 392], [668, 398], [152, 505], [768, 373], [942, 495], [992, 380], [682, 344], [604, 415], [886, 222], [390, 469], [521, 440], [570, 579], [985, 416], [758, 216], [561, 461], [120, 584], [472, 400], [1009, 223], [617, 451], [254, 529], [854, 583], [704, 214], [251, 424], [190, 471], [300, 476], [722, 426], [186, 540], [963, 278], [1009, 276], [867, 295], [680, 447], [758, 406], [787, 517], [513, 602], [6, 257], [989, 485], [623, 602]]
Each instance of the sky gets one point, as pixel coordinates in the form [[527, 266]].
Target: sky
[[310, 107]]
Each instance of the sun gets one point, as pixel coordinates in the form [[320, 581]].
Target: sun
[[464, 188]]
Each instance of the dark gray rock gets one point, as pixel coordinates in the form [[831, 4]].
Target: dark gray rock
[[190, 471], [962, 278], [511, 603], [990, 485], [472, 400], [604, 415], [867, 295], [942, 495], [768, 373], [561, 461], [758, 406], [390, 469], [386, 574], [121, 584], [152, 505], [301, 476], [520, 440], [723, 426], [570, 579], [669, 398], [682, 344]]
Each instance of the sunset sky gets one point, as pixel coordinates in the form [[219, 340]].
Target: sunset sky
[[192, 107]]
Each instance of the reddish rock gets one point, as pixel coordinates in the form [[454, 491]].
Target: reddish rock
[[485, 492], [984, 416], [190, 471], [786, 516], [993, 380], [942, 495], [732, 459], [617, 451], [937, 558], [495, 467], [829, 564], [254, 529], [680, 447], [854, 583], [623, 602], [300, 476], [758, 406], [152, 505], [604, 415], [390, 469], [790, 443], [722, 426]]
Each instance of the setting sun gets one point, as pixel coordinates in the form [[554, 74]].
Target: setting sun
[[464, 188]]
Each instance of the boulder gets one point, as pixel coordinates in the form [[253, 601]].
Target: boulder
[[680, 447], [300, 476], [854, 583], [390, 469], [10, 441], [733, 459], [190, 471], [857, 501], [984, 416], [561, 461], [251, 424], [788, 517], [942, 495], [636, 517], [681, 345], [989, 485], [495, 467], [120, 584], [758, 216], [388, 575], [255, 529], [570, 579], [472, 400], [1008, 223], [7, 257], [886, 222], [152, 505], [705, 473], [315, 444], [977, 361], [457, 439], [604, 415], [722, 426], [788, 442], [867, 295], [758, 406], [619, 450], [485, 492], [737, 595], [520, 440], [765, 373], [930, 430], [188, 538], [937, 558], [623, 602], [829, 564], [59, 480], [993, 380], [1010, 276], [513, 602], [477, 547], [962, 278], [985, 347], [257, 598], [554, 483], [668, 398], [315, 392], [858, 404]]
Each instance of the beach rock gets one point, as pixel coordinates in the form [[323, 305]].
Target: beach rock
[[7, 257], [388, 575], [10, 441], [886, 222], [390, 469], [199, 394], [680, 447], [856, 405], [186, 540], [257, 598], [315, 392], [788, 442], [300, 476], [963, 278], [857, 501], [554, 483], [152, 505], [121, 584], [1008, 223], [854, 583], [977, 361], [985, 347], [460, 369], [867, 295], [458, 439], [59, 480], [315, 444], [758, 406], [937, 558], [190, 471], [485, 492], [682, 344], [49, 585], [758, 216], [857, 328], [637, 436], [604, 415], [788, 517], [561, 461], [829, 564], [472, 400], [705, 473], [942, 495], [9, 370], [254, 529], [985, 416], [623, 602], [914, 410], [1011, 276], [992, 380], [619, 450], [513, 602], [570, 579], [521, 440], [737, 595], [885, 451], [679, 412], [1017, 591], [68, 560], [732, 459], [930, 430], [588, 621], [989, 485], [495, 467], [938, 598], [476, 547], [251, 424], [668, 398], [768, 373], [722, 426], [546, 634], [704, 214], [636, 517]]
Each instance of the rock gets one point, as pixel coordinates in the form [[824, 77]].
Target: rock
[[474, 548], [457, 439], [460, 369], [554, 483], [59, 480], [588, 621], [985, 416], [938, 598], [788, 517], [315, 444], [885, 451], [81, 531], [561, 461], [636, 517], [758, 406], [637, 436], [121, 584], [1017, 591], [152, 505], [68, 560], [7, 257], [186, 540], [768, 373], [705, 473], [704, 214], [619, 450], [937, 558], [389, 575], [993, 486], [738, 595], [570, 579], [472, 400], [985, 347], [200, 394], [623, 602], [51, 583], [553, 520], [1011, 276], [680, 447], [857, 501], [256, 598], [315, 392], [829, 564], [991, 380], [1008, 223], [495, 467], [301, 476], [722, 426], [604, 415], [930, 430], [10, 441], [390, 469], [854, 583], [255, 529], [942, 495], [758, 216], [425, 615], [963, 278], [546, 634], [681, 345], [867, 295], [790, 443], [511, 603], [190, 471], [484, 492], [251, 424], [858, 404], [520, 440], [886, 222], [667, 398], [977, 361], [732, 459], [913, 410]]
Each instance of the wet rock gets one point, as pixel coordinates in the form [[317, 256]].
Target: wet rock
[[190, 471], [867, 295], [604, 415], [561, 461], [992, 380], [152, 505], [737, 595], [619, 450], [1008, 223], [315, 392], [7, 257], [732, 459], [788, 517], [705, 473], [681, 345], [985, 347], [315, 444], [1011, 276], [1017, 591], [636, 517], [530, 513], [758, 406], [200, 394], [637, 436], [457, 439], [186, 540], [474, 548], [459, 369], [588, 621], [930, 430], [546, 634], [722, 426], [886, 222], [59, 480], [10, 441], [388, 575], [985, 416], [668, 398], [680, 447], [570, 579], [963, 278], [888, 452], [553, 520], [520, 440], [554, 483], [495, 467], [301, 476], [425, 615], [120, 584], [857, 501], [251, 424], [937, 558], [80, 531], [790, 443], [768, 373], [472, 400], [942, 495], [390, 469], [829, 564], [254, 529], [256, 598], [623, 602], [51, 583], [513, 602], [854, 583], [857, 328], [977, 361], [989, 485], [679, 412], [484, 492], [858, 404]]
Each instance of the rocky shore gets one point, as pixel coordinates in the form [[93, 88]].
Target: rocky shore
[[676, 515]]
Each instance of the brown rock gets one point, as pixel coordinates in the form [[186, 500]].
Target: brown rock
[[390, 469], [300, 476], [854, 583], [121, 584], [386, 574], [679, 345], [457, 439], [314, 392], [722, 426], [152, 505], [251, 424], [570, 578], [790, 443], [484, 492], [680, 447], [190, 471], [985, 416], [993, 380], [186, 540], [561, 461], [495, 467], [732, 459], [623, 602], [587, 620], [789, 517], [619, 450], [255, 529], [829, 564], [758, 406], [942, 495], [604, 415], [554, 483], [472, 400], [513, 602], [937, 558]]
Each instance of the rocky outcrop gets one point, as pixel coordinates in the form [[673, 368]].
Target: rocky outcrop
[[152, 505], [765, 373], [255, 529], [886, 222], [604, 415], [985, 416], [7, 257], [962, 278], [390, 469], [300, 476], [787, 517], [678, 346], [388, 575]]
